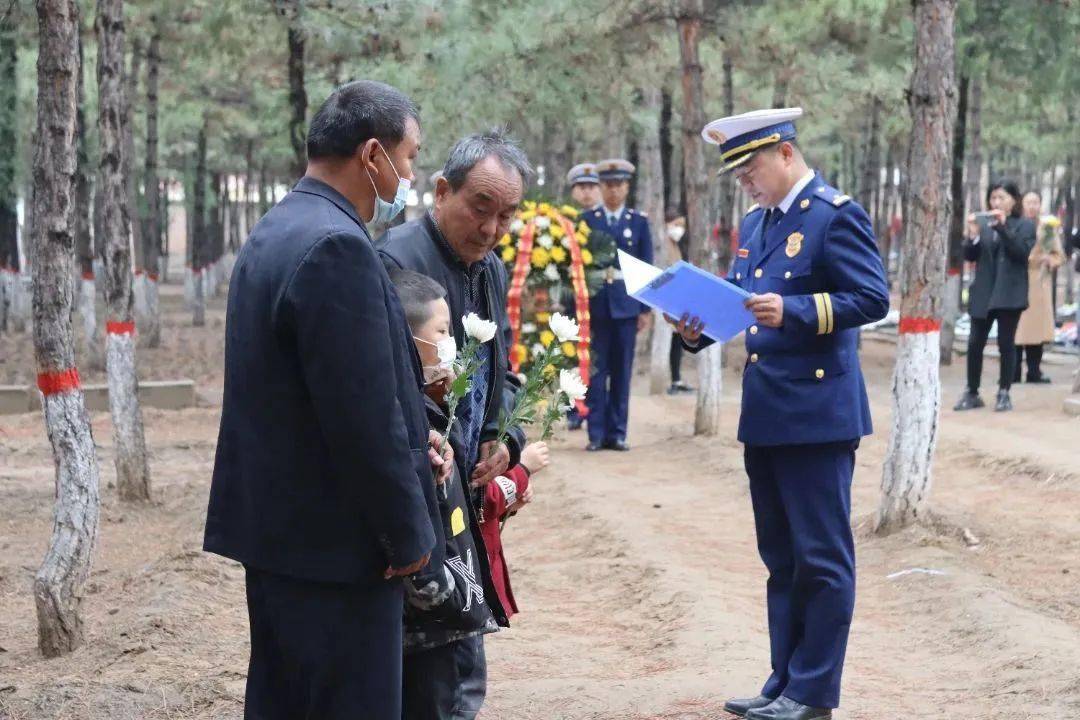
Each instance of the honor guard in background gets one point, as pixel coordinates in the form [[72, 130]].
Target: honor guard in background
[[616, 317], [584, 186], [585, 191], [808, 256]]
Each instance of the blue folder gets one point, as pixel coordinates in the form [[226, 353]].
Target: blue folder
[[685, 289]]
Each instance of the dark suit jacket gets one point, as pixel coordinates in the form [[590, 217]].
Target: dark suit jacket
[[321, 470], [1001, 257], [419, 246]]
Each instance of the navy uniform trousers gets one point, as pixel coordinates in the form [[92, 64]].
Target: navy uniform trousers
[[612, 356], [802, 503]]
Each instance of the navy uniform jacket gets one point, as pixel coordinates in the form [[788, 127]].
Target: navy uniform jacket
[[322, 470], [631, 234], [802, 382]]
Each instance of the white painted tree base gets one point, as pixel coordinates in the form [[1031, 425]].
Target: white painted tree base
[[659, 355], [132, 471], [906, 476], [198, 302], [58, 585], [710, 393]]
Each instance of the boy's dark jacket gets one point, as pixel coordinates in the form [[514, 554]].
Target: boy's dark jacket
[[457, 600]]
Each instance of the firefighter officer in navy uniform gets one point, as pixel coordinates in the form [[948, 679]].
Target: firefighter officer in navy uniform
[[808, 256], [616, 318]]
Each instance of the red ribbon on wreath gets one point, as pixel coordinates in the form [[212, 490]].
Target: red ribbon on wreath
[[581, 296]]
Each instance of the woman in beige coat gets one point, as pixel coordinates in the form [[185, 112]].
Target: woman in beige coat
[[1037, 322]]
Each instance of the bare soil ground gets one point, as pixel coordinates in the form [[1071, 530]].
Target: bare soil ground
[[641, 589]]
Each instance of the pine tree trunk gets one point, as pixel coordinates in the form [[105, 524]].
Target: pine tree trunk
[[906, 476], [217, 234], [727, 181], [249, 188], [132, 471], [871, 171], [651, 200], [198, 231], [9, 221], [955, 255], [292, 11], [973, 172], [689, 21], [152, 229], [58, 585], [93, 347]]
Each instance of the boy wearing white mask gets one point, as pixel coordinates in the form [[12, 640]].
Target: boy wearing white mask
[[449, 608]]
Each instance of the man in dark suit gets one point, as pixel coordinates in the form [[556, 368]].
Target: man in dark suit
[[323, 483]]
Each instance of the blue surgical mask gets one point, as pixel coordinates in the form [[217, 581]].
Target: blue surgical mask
[[387, 211]]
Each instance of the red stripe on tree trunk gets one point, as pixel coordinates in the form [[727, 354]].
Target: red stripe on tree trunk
[[88, 275], [114, 327], [61, 381], [916, 325], [952, 272]]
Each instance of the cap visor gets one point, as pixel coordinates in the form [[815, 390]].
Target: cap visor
[[736, 163]]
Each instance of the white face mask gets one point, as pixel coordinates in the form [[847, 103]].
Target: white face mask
[[675, 232], [446, 350], [387, 211]]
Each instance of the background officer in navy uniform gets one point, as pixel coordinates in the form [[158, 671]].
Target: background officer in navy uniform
[[585, 192], [808, 256], [616, 317]]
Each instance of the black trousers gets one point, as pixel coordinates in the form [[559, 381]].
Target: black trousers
[[323, 651], [1007, 320], [448, 682], [1034, 361], [675, 358]]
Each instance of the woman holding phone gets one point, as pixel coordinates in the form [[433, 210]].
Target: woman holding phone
[[999, 242]]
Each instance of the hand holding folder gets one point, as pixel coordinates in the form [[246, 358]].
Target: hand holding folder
[[683, 289]]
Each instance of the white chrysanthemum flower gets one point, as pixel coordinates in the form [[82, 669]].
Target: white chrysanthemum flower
[[528, 328], [565, 241], [537, 349], [517, 226], [543, 222], [551, 272], [570, 383], [545, 241], [565, 328], [478, 328]]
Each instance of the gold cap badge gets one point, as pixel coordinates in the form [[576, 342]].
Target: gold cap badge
[[794, 244]]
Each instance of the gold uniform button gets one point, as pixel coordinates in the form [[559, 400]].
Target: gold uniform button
[[757, 273], [753, 358], [787, 275], [819, 373], [805, 203], [753, 329]]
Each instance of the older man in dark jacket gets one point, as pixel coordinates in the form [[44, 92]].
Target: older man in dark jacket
[[323, 483], [475, 201]]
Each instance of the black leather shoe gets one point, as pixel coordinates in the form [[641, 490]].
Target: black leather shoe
[[617, 445], [594, 447], [1003, 403], [969, 401], [783, 708], [1040, 379], [744, 705], [574, 423]]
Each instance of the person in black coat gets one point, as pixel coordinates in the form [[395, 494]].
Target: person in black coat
[[475, 200], [999, 243], [323, 482]]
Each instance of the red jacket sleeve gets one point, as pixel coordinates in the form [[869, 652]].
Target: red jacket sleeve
[[504, 491]]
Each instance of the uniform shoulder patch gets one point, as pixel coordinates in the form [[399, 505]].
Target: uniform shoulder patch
[[840, 200], [752, 208], [830, 195]]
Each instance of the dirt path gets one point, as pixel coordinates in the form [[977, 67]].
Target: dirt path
[[641, 590]]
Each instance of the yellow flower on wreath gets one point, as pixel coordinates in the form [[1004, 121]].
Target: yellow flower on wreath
[[558, 254], [586, 257], [549, 370], [521, 354], [546, 337], [543, 318], [556, 231], [569, 211], [583, 230], [529, 204], [527, 215], [540, 258], [544, 208], [505, 240], [569, 349], [509, 253]]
